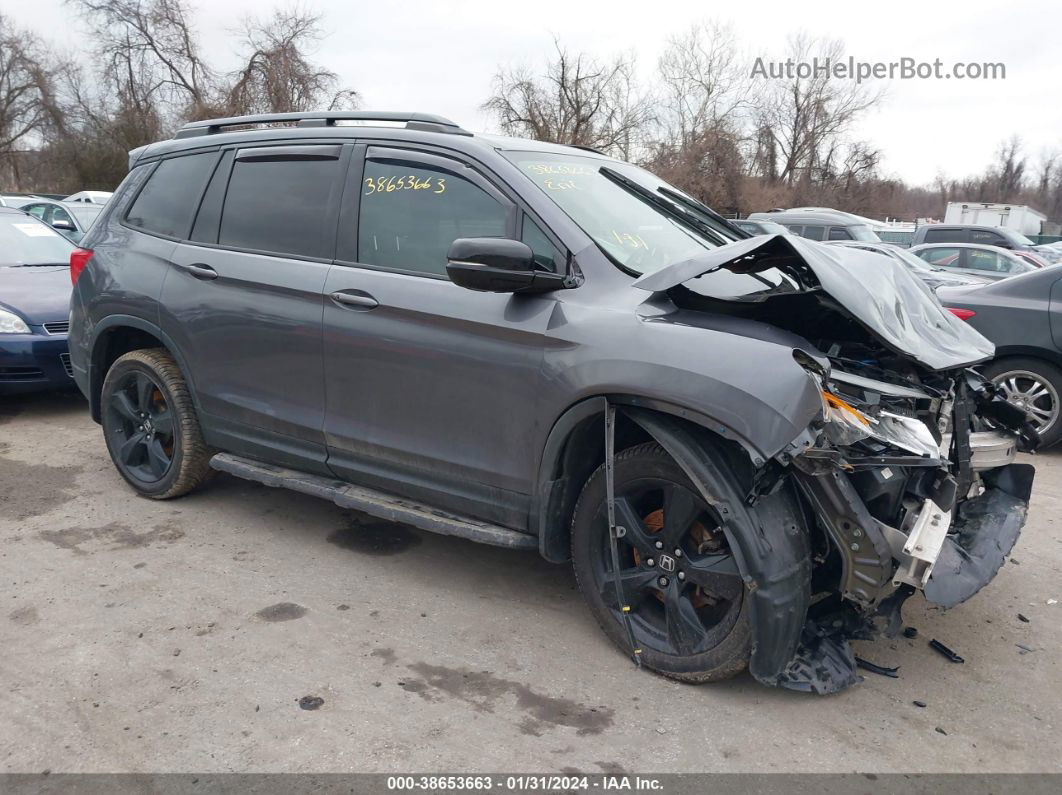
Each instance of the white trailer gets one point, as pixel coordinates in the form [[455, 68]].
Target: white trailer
[[1018, 217]]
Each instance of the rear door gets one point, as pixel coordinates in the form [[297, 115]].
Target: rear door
[[244, 299], [432, 388]]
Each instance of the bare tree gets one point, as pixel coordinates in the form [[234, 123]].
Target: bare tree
[[25, 86], [703, 85], [278, 76], [152, 55], [808, 115], [1008, 172], [579, 100]]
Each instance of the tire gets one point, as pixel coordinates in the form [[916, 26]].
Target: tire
[[1020, 378], [712, 588], [150, 426]]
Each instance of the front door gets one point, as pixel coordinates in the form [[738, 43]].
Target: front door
[[431, 388]]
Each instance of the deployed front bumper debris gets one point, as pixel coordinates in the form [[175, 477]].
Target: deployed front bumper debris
[[986, 530], [942, 522]]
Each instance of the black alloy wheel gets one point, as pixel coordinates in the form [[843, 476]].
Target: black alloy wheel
[[141, 426], [677, 574], [688, 609]]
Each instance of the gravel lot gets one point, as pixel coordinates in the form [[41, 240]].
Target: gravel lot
[[179, 636]]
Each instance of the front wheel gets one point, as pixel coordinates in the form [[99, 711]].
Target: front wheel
[[687, 600], [150, 425]]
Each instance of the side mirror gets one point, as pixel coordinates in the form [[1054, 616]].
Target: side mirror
[[497, 265], [61, 223]]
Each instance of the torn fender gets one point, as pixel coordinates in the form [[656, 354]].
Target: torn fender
[[771, 549], [878, 292]]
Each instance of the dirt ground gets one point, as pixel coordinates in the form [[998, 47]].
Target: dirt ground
[[180, 636]]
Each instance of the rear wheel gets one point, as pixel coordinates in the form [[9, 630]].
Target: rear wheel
[[1034, 386], [688, 610], [150, 426]]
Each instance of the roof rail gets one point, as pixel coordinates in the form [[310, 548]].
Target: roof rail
[[414, 121]]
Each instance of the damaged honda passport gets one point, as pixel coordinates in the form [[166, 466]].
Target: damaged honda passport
[[753, 450]]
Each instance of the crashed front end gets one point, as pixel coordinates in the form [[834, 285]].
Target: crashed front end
[[907, 475], [903, 506]]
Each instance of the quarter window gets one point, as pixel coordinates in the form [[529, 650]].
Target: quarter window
[[281, 206], [412, 212], [170, 197], [546, 254]]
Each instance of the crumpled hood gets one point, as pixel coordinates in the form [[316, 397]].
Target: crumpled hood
[[39, 293], [879, 292]]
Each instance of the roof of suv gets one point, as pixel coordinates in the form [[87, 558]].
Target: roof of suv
[[945, 244], [922, 231], [414, 127], [833, 217]]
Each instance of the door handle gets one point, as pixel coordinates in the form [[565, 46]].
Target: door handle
[[351, 300], [200, 271]]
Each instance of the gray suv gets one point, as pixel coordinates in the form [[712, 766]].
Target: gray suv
[[752, 449], [998, 236]]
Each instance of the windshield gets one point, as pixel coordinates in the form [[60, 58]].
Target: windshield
[[27, 241], [86, 213], [642, 223], [772, 228], [863, 232]]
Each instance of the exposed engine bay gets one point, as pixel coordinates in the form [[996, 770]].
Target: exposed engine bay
[[907, 476]]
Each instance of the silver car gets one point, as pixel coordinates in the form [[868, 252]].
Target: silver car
[[972, 259], [70, 220]]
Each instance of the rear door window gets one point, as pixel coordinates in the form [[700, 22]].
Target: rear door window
[[167, 203], [814, 232], [980, 260], [413, 207], [945, 235], [283, 200]]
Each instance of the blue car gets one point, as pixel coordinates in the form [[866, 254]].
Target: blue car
[[34, 305]]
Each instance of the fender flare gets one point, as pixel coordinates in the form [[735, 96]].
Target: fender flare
[[100, 332], [769, 541]]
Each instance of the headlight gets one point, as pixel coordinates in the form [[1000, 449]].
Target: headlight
[[12, 324], [845, 425]]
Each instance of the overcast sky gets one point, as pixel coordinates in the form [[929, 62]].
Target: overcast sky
[[440, 56]]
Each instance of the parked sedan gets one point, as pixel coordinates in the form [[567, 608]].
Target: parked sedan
[[70, 220], [933, 277], [1023, 317], [34, 305], [989, 262]]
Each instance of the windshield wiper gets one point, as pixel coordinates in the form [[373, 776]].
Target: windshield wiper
[[703, 209], [669, 208], [40, 264]]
